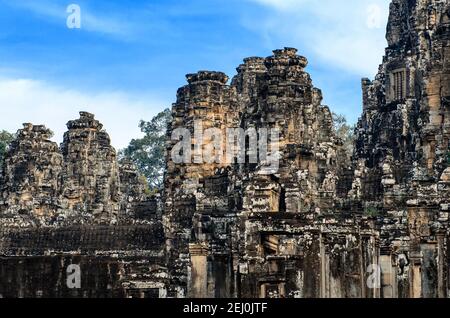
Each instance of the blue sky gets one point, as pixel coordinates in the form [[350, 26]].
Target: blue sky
[[129, 57]]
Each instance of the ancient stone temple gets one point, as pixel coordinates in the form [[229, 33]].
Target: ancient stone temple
[[31, 184], [76, 205], [239, 229], [402, 150], [90, 171], [309, 228], [260, 198]]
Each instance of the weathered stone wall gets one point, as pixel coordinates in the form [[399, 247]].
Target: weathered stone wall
[[125, 261], [394, 203], [305, 256], [77, 206], [101, 277], [79, 183], [287, 101], [212, 236], [205, 103], [30, 187], [81, 239], [90, 173], [402, 149]]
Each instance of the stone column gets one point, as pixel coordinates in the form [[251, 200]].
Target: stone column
[[442, 265], [415, 290], [198, 278]]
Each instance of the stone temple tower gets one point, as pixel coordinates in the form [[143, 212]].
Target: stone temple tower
[[403, 148], [90, 173], [31, 181], [207, 203]]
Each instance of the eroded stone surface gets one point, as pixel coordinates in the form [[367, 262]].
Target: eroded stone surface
[[291, 233], [31, 181], [402, 149], [77, 205], [79, 183], [231, 225]]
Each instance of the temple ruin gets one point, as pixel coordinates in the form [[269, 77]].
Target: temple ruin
[[319, 225]]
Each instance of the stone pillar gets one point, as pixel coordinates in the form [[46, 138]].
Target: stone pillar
[[198, 278], [388, 277], [324, 270], [415, 275], [442, 265]]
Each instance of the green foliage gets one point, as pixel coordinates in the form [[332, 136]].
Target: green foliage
[[371, 211], [5, 139], [51, 134], [148, 153], [345, 132]]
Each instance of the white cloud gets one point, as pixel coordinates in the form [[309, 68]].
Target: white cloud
[[107, 24], [348, 33], [31, 101]]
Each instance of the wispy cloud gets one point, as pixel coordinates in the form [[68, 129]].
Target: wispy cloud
[[57, 12], [348, 34], [37, 102], [282, 4]]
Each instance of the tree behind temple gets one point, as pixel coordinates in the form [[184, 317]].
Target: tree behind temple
[[345, 132], [148, 153], [5, 139]]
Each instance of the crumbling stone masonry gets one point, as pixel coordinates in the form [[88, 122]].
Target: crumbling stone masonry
[[90, 171], [76, 205], [311, 229], [318, 225], [402, 150], [30, 187], [214, 210]]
